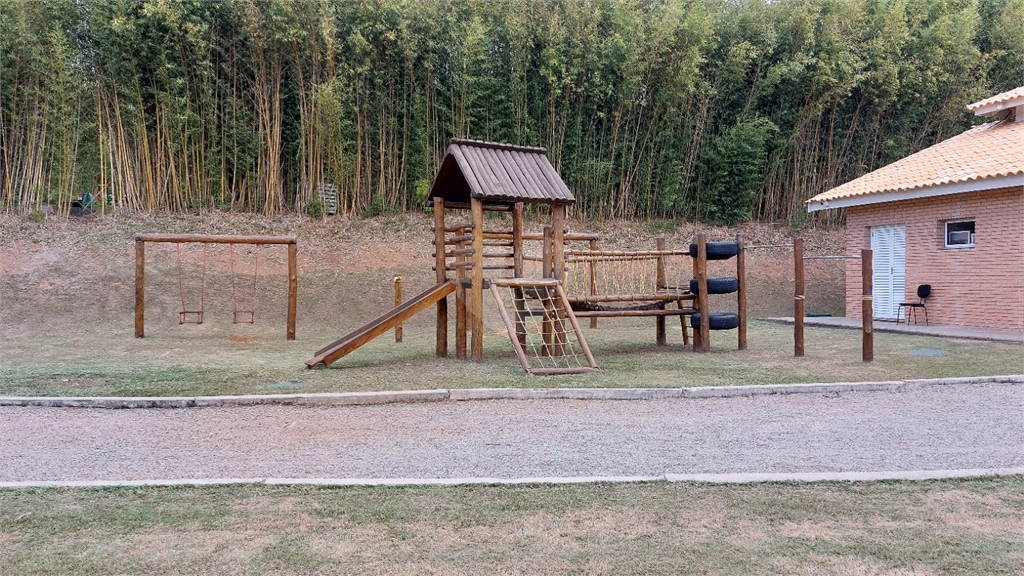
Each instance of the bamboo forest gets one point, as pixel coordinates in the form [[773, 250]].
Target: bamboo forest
[[711, 110]]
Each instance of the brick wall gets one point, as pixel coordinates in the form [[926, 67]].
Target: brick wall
[[980, 286]]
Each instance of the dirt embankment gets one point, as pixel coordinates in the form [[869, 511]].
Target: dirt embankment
[[82, 269]]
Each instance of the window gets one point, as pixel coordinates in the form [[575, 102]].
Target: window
[[960, 234]]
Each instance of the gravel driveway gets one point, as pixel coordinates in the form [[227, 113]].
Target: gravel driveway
[[930, 428]]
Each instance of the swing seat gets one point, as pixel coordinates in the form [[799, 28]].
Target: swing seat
[[244, 317], [190, 317]]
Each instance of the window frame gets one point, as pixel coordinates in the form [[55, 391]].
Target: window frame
[[946, 231]]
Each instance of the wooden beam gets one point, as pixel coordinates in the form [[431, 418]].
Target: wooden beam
[[702, 297], [476, 299], [441, 321], [798, 297], [216, 238], [741, 292], [867, 306], [659, 322], [517, 240], [140, 287], [293, 288]]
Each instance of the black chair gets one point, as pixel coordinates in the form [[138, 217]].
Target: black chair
[[923, 291]]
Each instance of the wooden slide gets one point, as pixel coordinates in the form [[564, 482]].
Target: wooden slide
[[380, 325]]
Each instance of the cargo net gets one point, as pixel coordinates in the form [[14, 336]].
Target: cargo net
[[542, 327], [612, 276]]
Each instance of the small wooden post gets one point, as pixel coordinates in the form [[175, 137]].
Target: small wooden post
[[398, 302], [741, 292], [702, 298], [867, 306], [441, 333], [798, 297], [476, 299], [293, 287], [140, 287], [659, 321], [593, 280]]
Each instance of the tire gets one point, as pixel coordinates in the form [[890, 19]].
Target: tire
[[726, 285], [717, 250], [718, 321]]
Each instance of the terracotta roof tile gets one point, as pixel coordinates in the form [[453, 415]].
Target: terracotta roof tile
[[987, 151], [1015, 94]]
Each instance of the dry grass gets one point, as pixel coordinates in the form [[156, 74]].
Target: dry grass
[[927, 528]]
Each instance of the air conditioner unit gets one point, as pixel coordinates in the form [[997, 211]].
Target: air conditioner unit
[[957, 237]]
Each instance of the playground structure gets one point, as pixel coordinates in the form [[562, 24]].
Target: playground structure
[[196, 316], [483, 176]]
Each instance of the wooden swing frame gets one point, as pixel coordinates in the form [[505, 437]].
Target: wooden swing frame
[[140, 268]]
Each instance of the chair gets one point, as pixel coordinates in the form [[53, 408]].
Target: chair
[[923, 291]]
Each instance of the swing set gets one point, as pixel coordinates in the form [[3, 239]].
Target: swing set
[[239, 316]]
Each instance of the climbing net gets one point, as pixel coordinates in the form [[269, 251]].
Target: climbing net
[[616, 276], [542, 327]]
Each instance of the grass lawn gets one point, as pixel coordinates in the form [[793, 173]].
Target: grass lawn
[[968, 527], [232, 360]]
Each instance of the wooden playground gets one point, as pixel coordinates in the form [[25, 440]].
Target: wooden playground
[[542, 283]]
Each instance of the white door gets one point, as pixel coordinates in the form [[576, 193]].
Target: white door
[[888, 263]]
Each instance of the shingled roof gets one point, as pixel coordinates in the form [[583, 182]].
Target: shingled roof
[[498, 173], [985, 157]]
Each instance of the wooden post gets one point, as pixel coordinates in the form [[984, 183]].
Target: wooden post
[[460, 303], [558, 261], [398, 302], [293, 287], [741, 292], [547, 266], [867, 306], [798, 297], [517, 270], [517, 240], [593, 280], [659, 321], [476, 297], [140, 287], [696, 306], [702, 282], [441, 333]]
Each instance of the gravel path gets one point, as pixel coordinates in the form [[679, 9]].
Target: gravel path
[[930, 428]]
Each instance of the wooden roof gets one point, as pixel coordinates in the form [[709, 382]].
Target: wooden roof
[[498, 174]]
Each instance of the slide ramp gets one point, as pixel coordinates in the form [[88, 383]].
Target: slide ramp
[[418, 303]]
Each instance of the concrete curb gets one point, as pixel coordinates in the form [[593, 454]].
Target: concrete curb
[[441, 395], [731, 478]]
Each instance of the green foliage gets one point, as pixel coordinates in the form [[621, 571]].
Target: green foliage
[[315, 208], [687, 109], [734, 168]]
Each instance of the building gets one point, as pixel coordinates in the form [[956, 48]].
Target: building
[[951, 216]]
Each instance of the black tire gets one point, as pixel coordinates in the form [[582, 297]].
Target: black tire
[[717, 250], [718, 321], [726, 285]]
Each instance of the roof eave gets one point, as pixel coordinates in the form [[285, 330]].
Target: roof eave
[[992, 183]]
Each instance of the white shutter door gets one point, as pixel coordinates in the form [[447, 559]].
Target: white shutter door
[[881, 268], [899, 268]]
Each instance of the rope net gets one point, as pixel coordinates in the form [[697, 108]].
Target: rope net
[[542, 327], [612, 276]]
